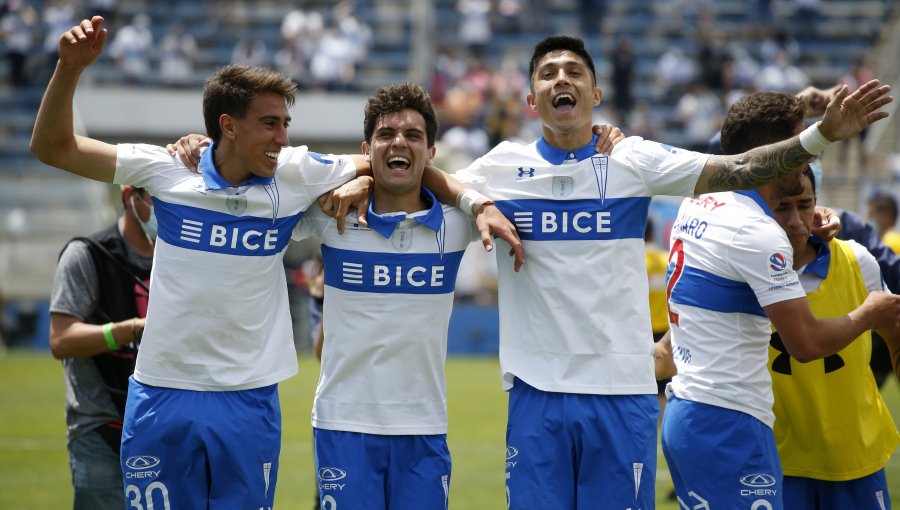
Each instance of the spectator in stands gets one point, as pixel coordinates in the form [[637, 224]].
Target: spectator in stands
[[355, 31], [97, 312], [806, 17], [860, 72], [16, 27], [714, 54], [672, 74], [131, 48], [177, 53], [56, 17], [778, 39], [252, 52], [333, 65], [700, 113], [781, 75], [882, 212], [475, 25], [623, 62]]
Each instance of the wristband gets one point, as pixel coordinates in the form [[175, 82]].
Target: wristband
[[470, 201], [108, 336], [812, 140]]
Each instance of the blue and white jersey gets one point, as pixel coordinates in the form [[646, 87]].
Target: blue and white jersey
[[388, 298], [576, 318], [729, 259], [218, 316]]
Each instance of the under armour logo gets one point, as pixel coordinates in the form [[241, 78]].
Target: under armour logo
[[525, 173], [782, 363]]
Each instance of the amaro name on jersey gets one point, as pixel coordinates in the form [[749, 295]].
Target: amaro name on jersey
[[585, 219], [413, 273], [200, 229]]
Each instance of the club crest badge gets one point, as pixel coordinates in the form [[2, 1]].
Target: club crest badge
[[236, 204], [563, 186], [401, 239], [601, 167]]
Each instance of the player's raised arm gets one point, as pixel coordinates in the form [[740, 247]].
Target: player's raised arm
[[54, 140], [845, 116]]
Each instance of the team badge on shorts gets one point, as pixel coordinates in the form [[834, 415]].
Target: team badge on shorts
[[401, 239], [236, 204], [563, 186]]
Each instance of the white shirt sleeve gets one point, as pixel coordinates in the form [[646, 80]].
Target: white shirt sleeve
[[312, 224], [315, 173], [868, 267], [762, 255], [147, 166], [666, 170]]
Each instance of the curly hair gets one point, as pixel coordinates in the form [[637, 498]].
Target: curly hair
[[396, 98], [760, 119]]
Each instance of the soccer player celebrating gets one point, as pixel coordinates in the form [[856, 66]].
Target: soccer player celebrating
[[202, 424], [379, 416], [575, 336], [731, 272]]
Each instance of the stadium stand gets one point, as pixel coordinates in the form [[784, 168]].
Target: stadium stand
[[406, 38]]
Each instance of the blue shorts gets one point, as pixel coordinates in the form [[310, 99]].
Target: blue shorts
[[720, 458], [575, 451], [376, 472], [866, 493], [200, 449]]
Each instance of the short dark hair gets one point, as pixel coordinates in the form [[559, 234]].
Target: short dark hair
[[395, 98], [560, 43], [760, 119], [884, 203], [231, 89]]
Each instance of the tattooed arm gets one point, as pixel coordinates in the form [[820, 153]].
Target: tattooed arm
[[845, 116]]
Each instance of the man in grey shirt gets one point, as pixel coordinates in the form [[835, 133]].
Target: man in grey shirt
[[96, 320]]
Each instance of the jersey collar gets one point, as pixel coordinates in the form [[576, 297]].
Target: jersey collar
[[385, 224], [558, 156], [756, 197], [819, 266], [214, 180]]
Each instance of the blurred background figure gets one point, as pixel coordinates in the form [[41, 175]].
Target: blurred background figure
[[882, 209], [131, 48]]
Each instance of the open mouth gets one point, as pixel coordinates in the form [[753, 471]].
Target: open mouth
[[272, 155], [398, 163], [564, 102]]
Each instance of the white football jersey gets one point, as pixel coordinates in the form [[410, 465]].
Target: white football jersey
[[218, 316], [388, 299], [576, 318], [728, 259]]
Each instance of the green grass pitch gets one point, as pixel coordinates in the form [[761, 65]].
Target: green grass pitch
[[34, 472]]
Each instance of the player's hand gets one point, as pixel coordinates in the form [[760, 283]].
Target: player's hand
[[883, 310], [826, 223], [607, 138], [337, 202], [491, 222], [847, 115], [187, 148], [817, 99], [82, 44]]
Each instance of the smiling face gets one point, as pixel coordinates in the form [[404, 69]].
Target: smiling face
[[564, 94], [258, 136], [796, 212], [398, 151]]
